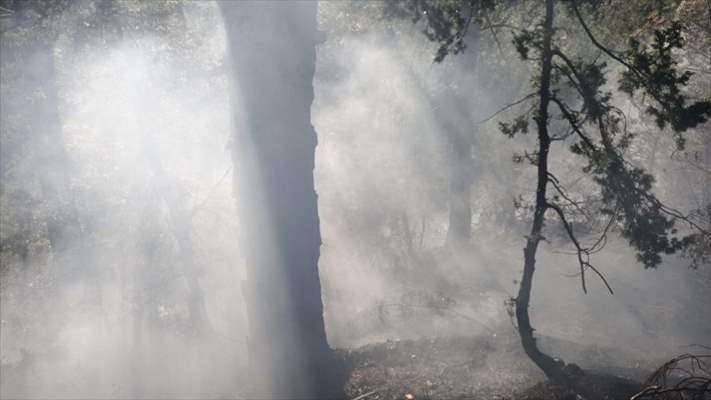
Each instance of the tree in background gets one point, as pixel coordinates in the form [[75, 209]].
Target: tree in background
[[35, 125], [54, 208]]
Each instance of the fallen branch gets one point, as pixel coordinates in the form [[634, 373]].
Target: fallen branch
[[690, 373], [364, 395]]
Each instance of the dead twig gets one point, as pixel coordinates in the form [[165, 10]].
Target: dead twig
[[687, 376], [582, 253], [372, 392]]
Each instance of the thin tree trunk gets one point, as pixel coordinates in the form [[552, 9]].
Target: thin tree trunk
[[273, 51], [706, 140], [180, 223], [51, 160], [550, 367], [460, 160], [72, 254], [459, 191]]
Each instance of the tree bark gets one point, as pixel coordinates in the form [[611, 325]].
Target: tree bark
[[273, 54], [552, 368]]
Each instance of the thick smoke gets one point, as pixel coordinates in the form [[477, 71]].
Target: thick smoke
[[146, 119]]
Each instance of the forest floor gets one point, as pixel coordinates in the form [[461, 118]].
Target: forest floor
[[487, 367]]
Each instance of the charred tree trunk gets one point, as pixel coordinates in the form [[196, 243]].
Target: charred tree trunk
[[551, 367], [273, 50]]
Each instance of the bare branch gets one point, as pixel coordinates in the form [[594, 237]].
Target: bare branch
[[491, 27], [598, 44], [556, 185], [602, 240], [692, 382], [506, 107], [212, 191], [372, 392], [602, 277], [583, 254], [576, 79], [569, 117], [572, 237], [686, 218]]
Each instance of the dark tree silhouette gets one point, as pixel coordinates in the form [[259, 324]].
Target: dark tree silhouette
[[572, 88], [273, 50]]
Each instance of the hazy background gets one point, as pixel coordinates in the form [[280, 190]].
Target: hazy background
[[118, 326]]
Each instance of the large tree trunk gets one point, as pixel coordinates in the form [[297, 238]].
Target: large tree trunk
[[550, 366], [273, 50]]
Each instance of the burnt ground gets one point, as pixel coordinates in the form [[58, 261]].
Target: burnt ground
[[485, 367]]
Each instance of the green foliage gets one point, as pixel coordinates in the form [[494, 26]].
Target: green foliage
[[524, 41], [655, 72], [445, 22], [519, 125], [579, 89], [626, 190], [627, 196]]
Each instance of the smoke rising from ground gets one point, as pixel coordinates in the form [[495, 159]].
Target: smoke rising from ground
[[145, 121]]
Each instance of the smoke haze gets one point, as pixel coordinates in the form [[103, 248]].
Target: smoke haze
[[146, 118]]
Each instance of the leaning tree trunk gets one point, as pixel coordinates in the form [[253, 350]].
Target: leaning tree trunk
[[550, 367], [273, 54]]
